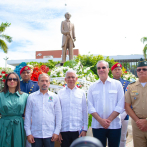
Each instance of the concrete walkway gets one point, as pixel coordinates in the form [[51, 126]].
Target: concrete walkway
[[129, 142]]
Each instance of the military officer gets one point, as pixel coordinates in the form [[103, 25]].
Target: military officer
[[27, 85], [136, 95], [117, 72]]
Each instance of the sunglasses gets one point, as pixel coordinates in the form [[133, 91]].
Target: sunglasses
[[143, 69], [14, 79], [104, 67]]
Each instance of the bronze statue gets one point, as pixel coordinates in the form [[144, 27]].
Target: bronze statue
[[67, 29]]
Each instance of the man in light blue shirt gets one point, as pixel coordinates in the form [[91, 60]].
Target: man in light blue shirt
[[44, 108], [105, 103]]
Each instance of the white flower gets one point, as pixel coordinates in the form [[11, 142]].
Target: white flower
[[31, 66], [88, 78], [61, 74], [88, 68], [62, 83]]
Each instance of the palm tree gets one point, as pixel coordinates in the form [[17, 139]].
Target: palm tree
[[3, 45], [144, 39]]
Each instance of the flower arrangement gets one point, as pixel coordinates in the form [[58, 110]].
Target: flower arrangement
[[3, 74], [39, 70], [126, 75], [84, 74], [36, 70]]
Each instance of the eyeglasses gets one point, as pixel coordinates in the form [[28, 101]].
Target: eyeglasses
[[71, 77], [104, 67], [14, 79], [143, 69]]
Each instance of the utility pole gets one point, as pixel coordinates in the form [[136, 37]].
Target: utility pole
[[6, 58]]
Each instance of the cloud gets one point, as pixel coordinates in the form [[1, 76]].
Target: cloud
[[102, 27]]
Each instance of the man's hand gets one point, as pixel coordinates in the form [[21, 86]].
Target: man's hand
[[142, 124], [83, 133], [60, 138], [105, 123], [55, 137], [68, 32], [30, 139]]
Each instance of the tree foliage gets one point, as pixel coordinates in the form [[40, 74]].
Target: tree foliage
[[3, 44], [91, 60], [86, 60], [51, 64], [144, 39]]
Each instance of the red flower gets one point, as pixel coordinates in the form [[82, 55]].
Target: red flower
[[3, 72], [44, 68], [6, 75], [0, 76], [125, 71], [36, 72], [4, 80]]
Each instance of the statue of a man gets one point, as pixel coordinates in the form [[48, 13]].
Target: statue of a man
[[67, 29]]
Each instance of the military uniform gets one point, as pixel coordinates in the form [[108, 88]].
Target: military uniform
[[29, 87], [136, 95], [125, 83]]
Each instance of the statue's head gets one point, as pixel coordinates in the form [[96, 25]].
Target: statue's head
[[67, 15]]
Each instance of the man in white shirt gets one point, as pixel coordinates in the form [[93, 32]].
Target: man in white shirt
[[74, 111], [44, 108], [105, 103]]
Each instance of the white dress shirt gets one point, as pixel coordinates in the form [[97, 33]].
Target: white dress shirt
[[104, 99], [45, 111], [74, 109]]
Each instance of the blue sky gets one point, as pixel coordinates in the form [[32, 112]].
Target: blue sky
[[102, 27]]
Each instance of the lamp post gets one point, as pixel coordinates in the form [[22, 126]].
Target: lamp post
[[6, 58]]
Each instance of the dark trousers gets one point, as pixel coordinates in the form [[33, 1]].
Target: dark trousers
[[113, 136], [68, 138], [43, 142]]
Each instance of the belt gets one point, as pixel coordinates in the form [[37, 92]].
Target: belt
[[14, 120]]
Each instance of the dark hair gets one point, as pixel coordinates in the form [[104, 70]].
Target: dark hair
[[6, 88]]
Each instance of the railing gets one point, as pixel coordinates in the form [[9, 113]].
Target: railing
[[129, 64]]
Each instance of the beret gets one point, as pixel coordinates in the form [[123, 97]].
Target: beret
[[141, 63], [25, 68], [116, 65]]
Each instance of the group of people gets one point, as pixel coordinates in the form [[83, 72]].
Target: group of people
[[29, 111]]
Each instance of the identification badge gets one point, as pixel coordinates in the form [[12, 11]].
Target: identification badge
[[50, 99]]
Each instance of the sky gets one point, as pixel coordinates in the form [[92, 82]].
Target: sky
[[105, 27]]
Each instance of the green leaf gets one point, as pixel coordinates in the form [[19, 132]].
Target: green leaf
[[8, 38], [144, 51], [70, 63], [3, 46], [143, 39], [3, 26]]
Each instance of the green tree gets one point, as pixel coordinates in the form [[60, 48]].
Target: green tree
[[91, 60], [144, 39], [51, 64], [3, 44]]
